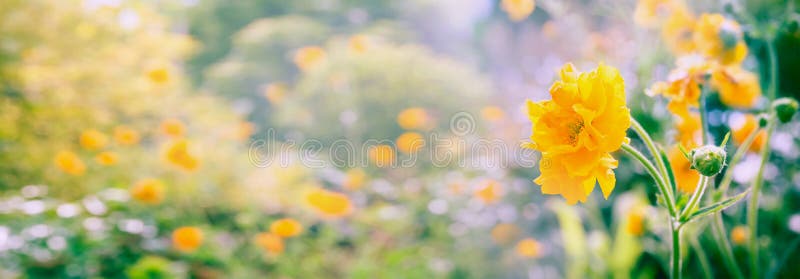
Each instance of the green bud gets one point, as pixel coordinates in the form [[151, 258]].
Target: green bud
[[708, 160], [785, 108], [763, 120], [729, 36]]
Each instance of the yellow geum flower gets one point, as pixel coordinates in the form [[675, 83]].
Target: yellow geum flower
[[689, 128], [125, 135], [635, 222], [270, 243], [359, 43], [682, 87], [329, 204], [648, 13], [737, 87], [518, 10], [354, 179], [677, 32], [740, 235], [490, 192], [720, 39], [70, 163], [414, 118], [577, 130], [308, 57], [148, 190], [187, 239], [173, 128], [106, 158], [493, 113], [742, 129], [529, 248], [275, 93], [410, 142], [158, 75], [286, 227], [685, 178], [505, 233], [177, 153], [381, 155], [93, 140]]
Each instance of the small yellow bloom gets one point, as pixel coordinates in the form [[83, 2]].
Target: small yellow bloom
[[158, 75], [328, 203], [685, 177], [577, 130], [177, 153], [359, 43], [308, 57], [106, 158], [689, 128], [187, 239], [682, 87], [275, 93], [125, 135], [677, 32], [493, 113], [737, 87], [410, 142], [173, 127], [354, 179], [648, 13], [720, 38], [529, 248], [740, 132], [270, 243], [505, 233], [740, 235], [148, 190], [518, 10], [414, 118], [490, 192], [635, 223], [70, 163], [382, 155], [286, 228], [93, 140]]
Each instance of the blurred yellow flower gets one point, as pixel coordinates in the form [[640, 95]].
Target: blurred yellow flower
[[328, 203], [529, 248], [741, 130], [106, 158], [737, 87], [489, 192], [177, 153], [187, 239], [173, 127], [677, 32], [518, 10], [148, 190], [382, 155], [125, 135], [577, 130], [70, 163], [414, 118], [410, 142], [740, 235], [270, 243], [243, 130], [158, 75], [286, 228], [359, 43], [685, 178], [93, 140], [354, 179], [493, 113], [308, 57], [689, 128], [649, 13], [275, 93], [635, 222], [682, 87], [505, 233], [720, 38]]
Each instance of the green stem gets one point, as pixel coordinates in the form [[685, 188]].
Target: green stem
[[651, 147], [676, 250], [702, 257], [728, 177], [651, 169], [702, 112], [721, 237], [694, 200], [773, 65], [752, 207]]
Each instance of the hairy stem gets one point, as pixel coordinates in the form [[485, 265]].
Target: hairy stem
[[752, 207], [694, 200], [651, 169]]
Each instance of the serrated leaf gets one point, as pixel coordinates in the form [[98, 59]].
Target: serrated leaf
[[717, 207]]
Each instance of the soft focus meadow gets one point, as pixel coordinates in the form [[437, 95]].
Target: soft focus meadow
[[399, 139]]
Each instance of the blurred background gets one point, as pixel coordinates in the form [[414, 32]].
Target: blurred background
[[171, 139]]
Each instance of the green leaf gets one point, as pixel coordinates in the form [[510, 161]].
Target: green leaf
[[717, 207]]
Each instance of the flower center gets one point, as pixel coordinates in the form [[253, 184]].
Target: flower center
[[574, 129]]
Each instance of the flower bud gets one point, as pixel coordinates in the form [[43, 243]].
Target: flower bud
[[785, 108], [708, 160], [763, 120]]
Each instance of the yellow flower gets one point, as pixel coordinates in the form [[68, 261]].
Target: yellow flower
[[173, 127], [125, 135], [270, 243], [106, 158], [354, 179], [93, 140], [381, 155], [70, 163], [148, 190], [720, 39], [689, 128], [740, 131], [740, 235], [529, 248], [328, 203], [577, 130], [505, 233], [493, 113], [243, 130], [737, 87], [685, 177], [682, 87], [677, 32], [187, 239], [275, 93], [648, 13], [359, 43], [410, 142], [177, 153], [286, 228], [518, 10], [158, 75], [490, 192], [414, 118], [308, 57], [634, 222]]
